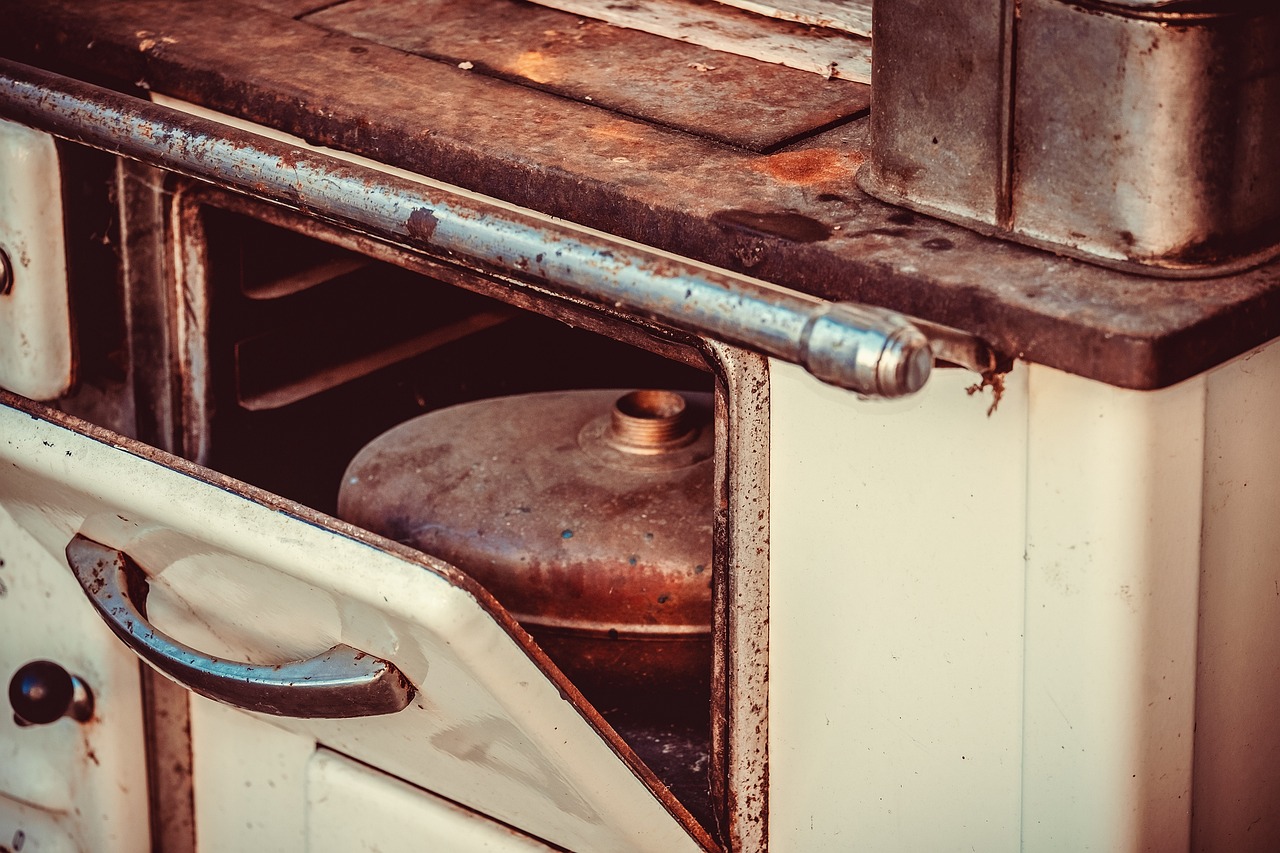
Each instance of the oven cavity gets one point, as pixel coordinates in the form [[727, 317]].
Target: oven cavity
[[510, 444]]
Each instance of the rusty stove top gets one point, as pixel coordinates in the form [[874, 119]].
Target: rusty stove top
[[724, 159]]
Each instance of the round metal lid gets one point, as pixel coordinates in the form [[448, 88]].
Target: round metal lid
[[577, 515]]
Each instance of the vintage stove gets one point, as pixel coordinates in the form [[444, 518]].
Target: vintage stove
[[991, 561]]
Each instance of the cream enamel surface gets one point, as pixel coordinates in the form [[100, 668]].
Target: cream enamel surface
[[86, 782], [387, 816], [36, 830], [35, 325], [1114, 485], [1053, 629], [250, 779], [897, 590], [1237, 750]]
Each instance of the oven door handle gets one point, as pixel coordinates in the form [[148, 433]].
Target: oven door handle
[[341, 682]]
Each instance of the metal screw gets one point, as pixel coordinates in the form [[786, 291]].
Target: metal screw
[[6, 274]]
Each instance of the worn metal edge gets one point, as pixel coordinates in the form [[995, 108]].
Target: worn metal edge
[[740, 598]]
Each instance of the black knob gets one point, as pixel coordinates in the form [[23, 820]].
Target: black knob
[[43, 692], [6, 274]]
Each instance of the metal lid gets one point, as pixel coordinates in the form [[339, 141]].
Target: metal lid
[[587, 512]]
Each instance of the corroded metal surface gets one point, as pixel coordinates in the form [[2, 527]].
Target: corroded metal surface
[[658, 186], [596, 536], [190, 292], [729, 98], [1169, 165], [167, 725]]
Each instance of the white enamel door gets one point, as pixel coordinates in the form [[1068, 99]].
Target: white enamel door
[[230, 573]]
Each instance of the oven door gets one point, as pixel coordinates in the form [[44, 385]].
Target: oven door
[[339, 673]]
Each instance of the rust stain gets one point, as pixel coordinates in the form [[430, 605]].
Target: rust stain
[[422, 224], [536, 66], [993, 379], [290, 157], [619, 131], [148, 41], [812, 166]]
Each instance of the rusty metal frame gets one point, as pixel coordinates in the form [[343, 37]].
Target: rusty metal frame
[[142, 204], [740, 624], [190, 291]]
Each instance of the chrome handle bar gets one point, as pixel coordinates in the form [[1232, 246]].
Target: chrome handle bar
[[872, 351], [341, 682]]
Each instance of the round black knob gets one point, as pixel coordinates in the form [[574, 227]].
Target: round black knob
[[6, 274], [42, 692]]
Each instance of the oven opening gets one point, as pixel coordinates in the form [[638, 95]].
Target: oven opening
[[327, 367]]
